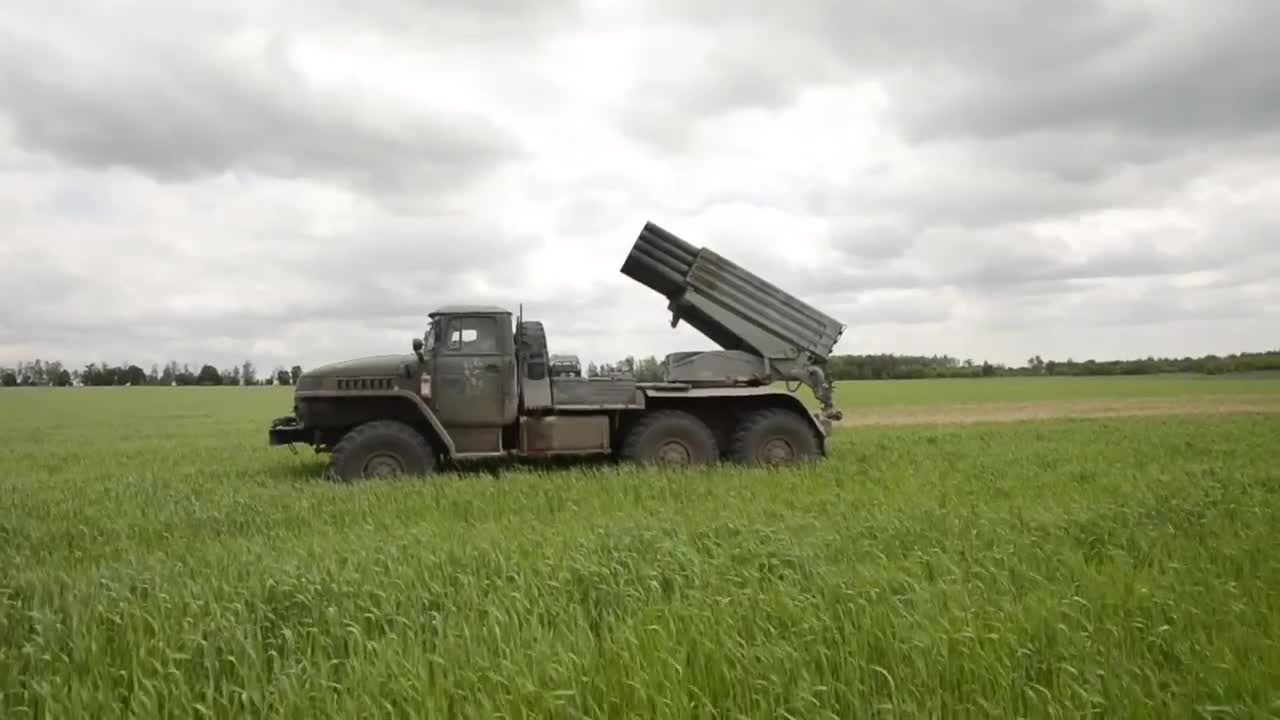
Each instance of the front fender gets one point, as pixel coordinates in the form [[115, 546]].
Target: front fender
[[420, 406]]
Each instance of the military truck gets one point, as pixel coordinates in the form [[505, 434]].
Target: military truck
[[565, 366], [478, 384]]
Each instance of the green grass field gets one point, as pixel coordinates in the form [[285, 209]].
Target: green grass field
[[158, 560], [892, 393]]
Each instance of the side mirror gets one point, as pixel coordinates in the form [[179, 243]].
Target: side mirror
[[417, 348]]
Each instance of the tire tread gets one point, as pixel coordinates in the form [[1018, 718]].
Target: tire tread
[[631, 445], [355, 437], [742, 440]]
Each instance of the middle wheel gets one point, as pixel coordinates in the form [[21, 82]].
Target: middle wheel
[[670, 437]]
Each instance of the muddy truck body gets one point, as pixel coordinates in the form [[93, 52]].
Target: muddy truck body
[[480, 384]]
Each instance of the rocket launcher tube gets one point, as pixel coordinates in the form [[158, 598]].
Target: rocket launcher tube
[[737, 309]]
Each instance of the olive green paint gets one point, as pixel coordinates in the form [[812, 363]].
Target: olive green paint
[[480, 381]]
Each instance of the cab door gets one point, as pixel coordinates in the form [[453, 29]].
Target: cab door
[[469, 378]]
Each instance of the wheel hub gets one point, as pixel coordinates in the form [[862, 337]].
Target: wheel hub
[[383, 465], [777, 450], [674, 452]]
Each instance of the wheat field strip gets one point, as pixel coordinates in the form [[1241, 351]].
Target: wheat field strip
[[157, 559]]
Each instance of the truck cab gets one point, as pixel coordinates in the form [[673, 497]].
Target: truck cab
[[472, 386]]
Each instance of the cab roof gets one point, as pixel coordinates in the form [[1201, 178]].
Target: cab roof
[[469, 310]]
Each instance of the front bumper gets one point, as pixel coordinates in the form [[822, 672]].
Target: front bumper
[[287, 430]]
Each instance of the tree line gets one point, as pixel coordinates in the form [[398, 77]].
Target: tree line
[[889, 366], [905, 367], [39, 372], [649, 369]]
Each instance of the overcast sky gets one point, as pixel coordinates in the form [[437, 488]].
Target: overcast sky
[[221, 180]]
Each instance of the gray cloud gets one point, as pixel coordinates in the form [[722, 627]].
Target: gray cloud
[[956, 68], [1195, 70], [1025, 110], [734, 68], [394, 270], [1086, 179], [874, 240], [181, 106], [896, 308], [1149, 310], [1028, 259]]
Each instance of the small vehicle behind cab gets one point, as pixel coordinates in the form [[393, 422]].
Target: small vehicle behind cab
[[566, 366]]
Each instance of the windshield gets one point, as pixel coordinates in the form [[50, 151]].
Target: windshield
[[429, 340]]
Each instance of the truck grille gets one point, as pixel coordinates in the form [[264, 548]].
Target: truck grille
[[358, 383]]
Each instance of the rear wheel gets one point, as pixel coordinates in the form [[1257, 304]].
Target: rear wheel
[[382, 448], [670, 437], [774, 436]]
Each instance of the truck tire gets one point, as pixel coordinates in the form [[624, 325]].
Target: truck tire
[[381, 448], [773, 436], [670, 437]]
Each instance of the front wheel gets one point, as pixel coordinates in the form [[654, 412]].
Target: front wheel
[[773, 436], [382, 448]]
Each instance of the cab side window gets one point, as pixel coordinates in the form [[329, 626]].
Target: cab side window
[[473, 335]]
